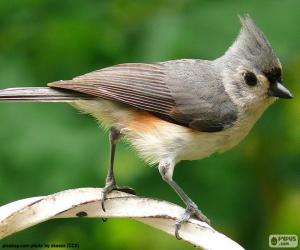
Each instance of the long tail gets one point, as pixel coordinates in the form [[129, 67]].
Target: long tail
[[45, 94]]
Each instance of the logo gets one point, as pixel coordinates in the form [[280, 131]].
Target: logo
[[283, 240]]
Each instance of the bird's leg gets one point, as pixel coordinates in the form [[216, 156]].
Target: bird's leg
[[166, 169], [110, 182]]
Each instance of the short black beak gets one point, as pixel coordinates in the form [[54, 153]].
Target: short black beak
[[278, 90]]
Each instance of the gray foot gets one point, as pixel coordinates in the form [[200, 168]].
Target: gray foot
[[110, 187], [191, 211]]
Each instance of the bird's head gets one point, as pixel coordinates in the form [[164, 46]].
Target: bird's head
[[251, 70]]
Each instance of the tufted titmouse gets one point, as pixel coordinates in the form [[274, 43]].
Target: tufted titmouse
[[176, 110]]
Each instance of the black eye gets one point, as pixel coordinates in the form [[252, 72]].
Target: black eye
[[250, 78]]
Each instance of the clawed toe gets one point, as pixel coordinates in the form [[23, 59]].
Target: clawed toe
[[105, 192], [191, 211], [127, 190], [107, 189], [200, 216]]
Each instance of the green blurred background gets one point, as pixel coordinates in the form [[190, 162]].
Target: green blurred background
[[248, 193]]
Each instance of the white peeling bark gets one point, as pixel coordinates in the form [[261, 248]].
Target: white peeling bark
[[85, 202]]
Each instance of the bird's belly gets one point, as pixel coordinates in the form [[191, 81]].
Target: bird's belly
[[204, 144], [156, 139], [164, 140]]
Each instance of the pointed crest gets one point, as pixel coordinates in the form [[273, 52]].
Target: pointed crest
[[252, 46]]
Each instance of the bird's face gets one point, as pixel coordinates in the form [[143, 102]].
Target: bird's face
[[253, 85]]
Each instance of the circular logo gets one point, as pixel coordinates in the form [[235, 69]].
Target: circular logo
[[273, 241]]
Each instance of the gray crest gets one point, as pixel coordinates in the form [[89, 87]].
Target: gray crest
[[252, 48]]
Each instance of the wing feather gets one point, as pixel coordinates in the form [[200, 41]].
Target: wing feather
[[185, 92], [140, 85]]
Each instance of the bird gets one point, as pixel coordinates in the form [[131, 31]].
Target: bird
[[181, 109]]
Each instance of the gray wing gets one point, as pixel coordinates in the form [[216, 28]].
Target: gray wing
[[135, 84], [198, 90], [143, 86]]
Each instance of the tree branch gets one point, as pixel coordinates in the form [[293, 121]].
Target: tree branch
[[85, 202]]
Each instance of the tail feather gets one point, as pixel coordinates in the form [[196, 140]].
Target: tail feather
[[41, 94]]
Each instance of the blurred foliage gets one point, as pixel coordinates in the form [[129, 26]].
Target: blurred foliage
[[248, 193]]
